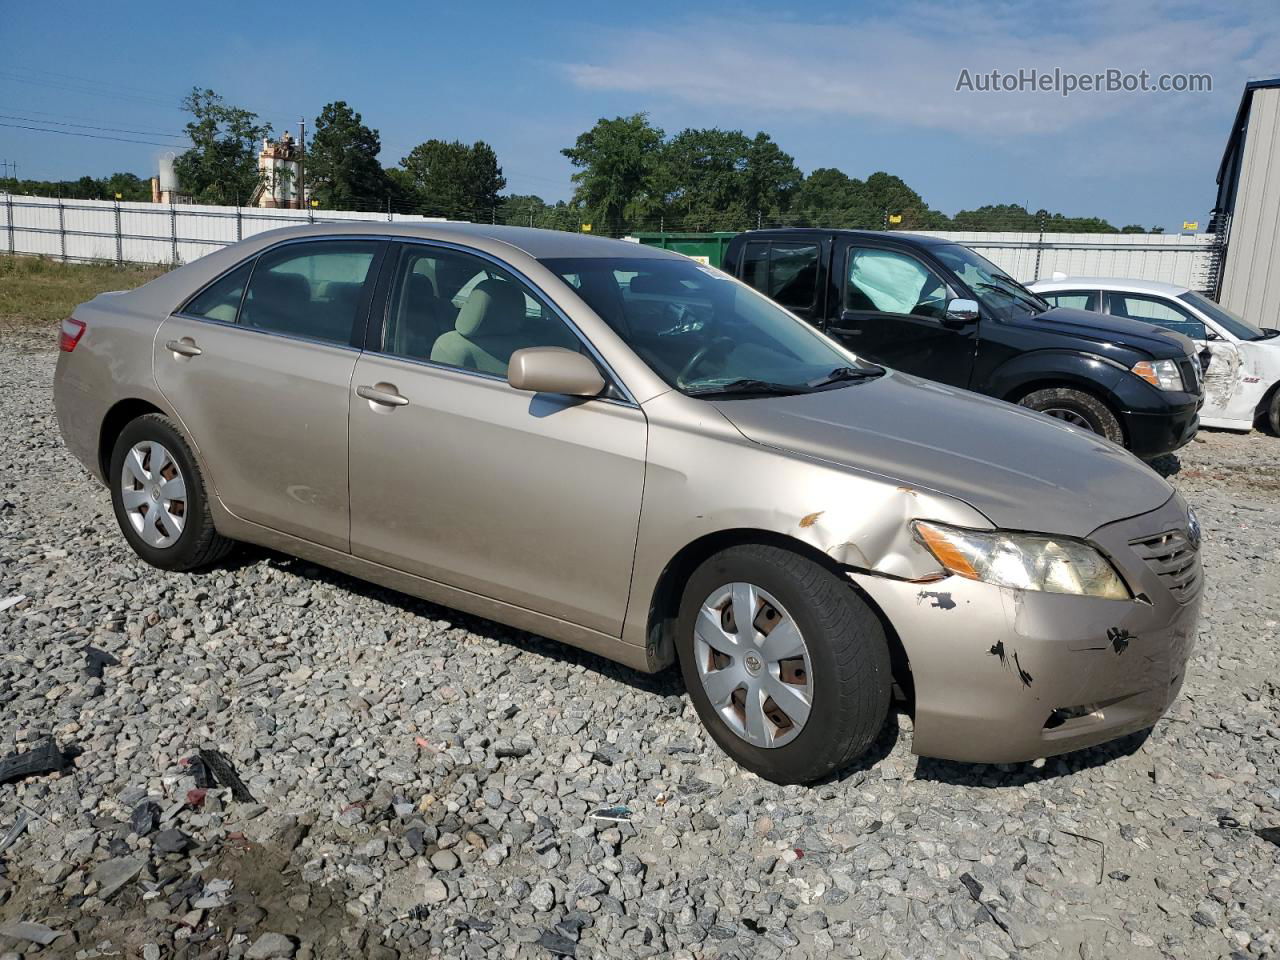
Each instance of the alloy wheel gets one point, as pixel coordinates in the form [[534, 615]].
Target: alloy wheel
[[753, 664], [1070, 416], [154, 493]]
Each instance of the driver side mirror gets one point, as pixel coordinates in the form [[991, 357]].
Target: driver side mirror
[[554, 370], [961, 310]]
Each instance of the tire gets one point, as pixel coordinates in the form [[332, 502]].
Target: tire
[[844, 665], [1272, 417], [170, 533], [1078, 408]]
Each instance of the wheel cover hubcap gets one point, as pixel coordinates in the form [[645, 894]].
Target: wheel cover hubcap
[[154, 494], [1070, 416], [754, 664]]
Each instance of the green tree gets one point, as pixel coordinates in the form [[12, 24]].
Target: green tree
[[343, 172], [222, 164], [892, 197], [771, 178], [452, 179], [618, 163], [828, 197], [530, 210], [703, 176]]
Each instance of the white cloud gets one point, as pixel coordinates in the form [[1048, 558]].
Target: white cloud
[[903, 66]]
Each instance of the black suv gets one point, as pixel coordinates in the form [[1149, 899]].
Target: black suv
[[936, 309]]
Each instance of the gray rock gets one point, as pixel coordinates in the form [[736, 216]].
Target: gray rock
[[270, 946], [111, 875]]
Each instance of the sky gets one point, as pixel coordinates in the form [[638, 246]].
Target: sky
[[858, 86]]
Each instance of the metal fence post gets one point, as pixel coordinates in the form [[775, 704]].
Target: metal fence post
[[173, 230], [239, 225], [8, 200], [119, 238], [62, 230], [1039, 249]]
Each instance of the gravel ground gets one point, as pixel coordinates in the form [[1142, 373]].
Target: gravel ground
[[429, 784]]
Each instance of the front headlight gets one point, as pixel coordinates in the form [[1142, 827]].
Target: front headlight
[[1023, 560], [1161, 374]]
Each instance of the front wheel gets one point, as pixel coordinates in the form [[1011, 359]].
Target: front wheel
[[1077, 408], [787, 667], [159, 497], [1272, 416]]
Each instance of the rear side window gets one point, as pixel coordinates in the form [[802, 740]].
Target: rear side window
[[1155, 310], [785, 272], [312, 290], [1075, 299], [221, 299]]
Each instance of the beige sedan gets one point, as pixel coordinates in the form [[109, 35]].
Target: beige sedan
[[621, 449]]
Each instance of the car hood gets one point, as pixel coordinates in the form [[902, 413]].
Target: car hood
[[1103, 328], [1021, 469]]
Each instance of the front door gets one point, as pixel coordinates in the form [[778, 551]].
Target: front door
[[893, 311], [530, 499], [260, 380]]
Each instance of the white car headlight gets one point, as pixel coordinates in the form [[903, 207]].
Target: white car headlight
[[1161, 374], [1023, 560]]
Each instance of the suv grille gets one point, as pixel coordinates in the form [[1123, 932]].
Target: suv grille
[[1192, 375], [1172, 558]]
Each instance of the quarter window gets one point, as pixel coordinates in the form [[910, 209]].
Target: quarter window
[[1155, 310], [221, 299], [312, 290], [455, 309], [884, 281]]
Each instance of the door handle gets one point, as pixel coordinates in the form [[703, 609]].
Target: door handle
[[186, 347], [383, 393]]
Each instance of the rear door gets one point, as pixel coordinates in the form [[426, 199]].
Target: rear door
[[788, 271], [529, 499], [893, 311], [258, 368]]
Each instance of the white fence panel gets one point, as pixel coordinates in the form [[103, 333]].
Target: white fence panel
[[156, 233]]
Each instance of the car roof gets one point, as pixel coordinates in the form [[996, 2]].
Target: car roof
[[896, 236], [1111, 283]]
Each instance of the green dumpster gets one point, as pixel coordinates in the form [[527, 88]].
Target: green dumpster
[[708, 248]]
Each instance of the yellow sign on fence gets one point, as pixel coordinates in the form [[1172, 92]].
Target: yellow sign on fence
[[586, 228], [895, 218], [1190, 224]]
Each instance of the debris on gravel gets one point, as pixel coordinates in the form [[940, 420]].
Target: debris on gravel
[[404, 780]]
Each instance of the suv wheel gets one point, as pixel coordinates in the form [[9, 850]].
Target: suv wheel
[[787, 667], [1077, 408], [159, 497]]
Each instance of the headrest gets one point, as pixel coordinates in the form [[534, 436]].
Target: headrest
[[345, 293], [273, 286], [495, 308], [419, 290]]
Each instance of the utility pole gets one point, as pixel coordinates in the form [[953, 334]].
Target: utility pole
[[302, 155]]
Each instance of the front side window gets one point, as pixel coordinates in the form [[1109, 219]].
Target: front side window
[[221, 299], [463, 311], [1157, 310], [312, 290], [1075, 299], [885, 281], [703, 332]]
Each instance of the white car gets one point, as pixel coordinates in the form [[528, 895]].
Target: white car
[[1242, 379]]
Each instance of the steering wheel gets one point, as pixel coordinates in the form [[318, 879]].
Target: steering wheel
[[701, 354]]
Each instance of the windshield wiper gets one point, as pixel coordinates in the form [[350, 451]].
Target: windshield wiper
[[846, 373], [746, 385]]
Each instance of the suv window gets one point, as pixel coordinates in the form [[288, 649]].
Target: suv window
[[312, 290], [221, 299], [1157, 310], [787, 272], [462, 311], [885, 281], [1075, 299]]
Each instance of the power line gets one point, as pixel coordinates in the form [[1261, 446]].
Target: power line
[[74, 121], [86, 126], [90, 88], [76, 133]]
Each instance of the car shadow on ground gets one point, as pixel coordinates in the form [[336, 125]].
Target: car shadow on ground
[[1020, 774], [666, 683]]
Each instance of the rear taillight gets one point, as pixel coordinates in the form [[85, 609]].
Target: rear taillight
[[72, 331]]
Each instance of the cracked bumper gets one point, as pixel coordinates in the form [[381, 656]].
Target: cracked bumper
[[1004, 676]]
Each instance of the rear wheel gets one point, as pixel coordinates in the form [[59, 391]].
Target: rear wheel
[[1272, 417], [1077, 408], [788, 669], [159, 497]]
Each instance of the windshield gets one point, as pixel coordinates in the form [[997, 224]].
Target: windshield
[[1237, 326], [999, 292], [705, 333]]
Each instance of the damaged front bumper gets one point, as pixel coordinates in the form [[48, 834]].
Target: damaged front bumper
[[1002, 675]]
